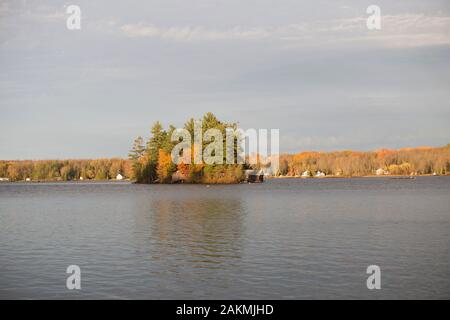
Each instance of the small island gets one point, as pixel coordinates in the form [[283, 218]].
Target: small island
[[152, 162]]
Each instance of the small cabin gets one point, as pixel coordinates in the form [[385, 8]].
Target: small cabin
[[254, 176], [320, 174], [381, 171]]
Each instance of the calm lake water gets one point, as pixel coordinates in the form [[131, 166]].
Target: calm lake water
[[284, 239]]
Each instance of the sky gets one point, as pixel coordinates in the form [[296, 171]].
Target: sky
[[311, 69]]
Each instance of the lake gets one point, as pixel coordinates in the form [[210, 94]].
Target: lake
[[283, 239]]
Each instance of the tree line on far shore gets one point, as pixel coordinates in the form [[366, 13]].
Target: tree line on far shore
[[65, 170], [407, 161], [150, 162]]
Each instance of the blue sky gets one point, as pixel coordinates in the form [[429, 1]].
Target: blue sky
[[309, 68]]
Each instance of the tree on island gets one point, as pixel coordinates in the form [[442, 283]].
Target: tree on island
[[154, 164], [138, 149]]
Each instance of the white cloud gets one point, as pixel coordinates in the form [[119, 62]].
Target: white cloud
[[413, 30], [403, 30], [193, 33], [31, 12]]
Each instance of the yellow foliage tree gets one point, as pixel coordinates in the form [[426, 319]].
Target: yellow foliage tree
[[165, 166]]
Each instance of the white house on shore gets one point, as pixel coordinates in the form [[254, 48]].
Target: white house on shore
[[320, 174], [381, 171], [119, 177], [306, 174]]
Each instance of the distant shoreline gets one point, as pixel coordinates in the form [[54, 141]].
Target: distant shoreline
[[127, 181], [401, 163], [365, 176]]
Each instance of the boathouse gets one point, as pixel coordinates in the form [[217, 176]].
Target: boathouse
[[254, 175]]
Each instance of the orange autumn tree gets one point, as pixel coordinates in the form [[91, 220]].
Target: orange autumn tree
[[165, 166], [183, 169]]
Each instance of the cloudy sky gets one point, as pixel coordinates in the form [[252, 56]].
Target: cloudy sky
[[310, 68]]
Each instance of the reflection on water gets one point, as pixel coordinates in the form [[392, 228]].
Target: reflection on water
[[200, 234], [284, 239]]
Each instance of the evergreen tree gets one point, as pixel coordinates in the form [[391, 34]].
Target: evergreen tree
[[157, 141], [137, 150]]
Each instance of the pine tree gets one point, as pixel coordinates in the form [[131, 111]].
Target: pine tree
[[156, 142], [138, 149]]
